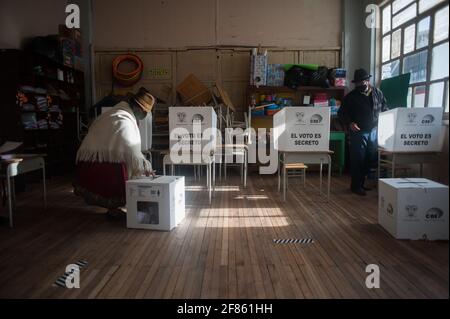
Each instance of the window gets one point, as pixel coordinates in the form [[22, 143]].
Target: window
[[423, 33], [416, 64], [419, 96], [387, 19], [410, 39], [397, 5], [391, 69], [424, 5], [414, 39], [404, 16], [441, 25], [439, 64], [436, 95], [386, 48], [396, 44]]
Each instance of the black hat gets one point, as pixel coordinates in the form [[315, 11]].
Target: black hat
[[361, 75]]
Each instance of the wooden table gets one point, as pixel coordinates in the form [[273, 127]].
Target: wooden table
[[16, 164], [321, 158]]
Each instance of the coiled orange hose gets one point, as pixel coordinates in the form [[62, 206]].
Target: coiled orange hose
[[131, 78]]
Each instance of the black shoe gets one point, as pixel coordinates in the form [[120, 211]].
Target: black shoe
[[366, 188], [360, 192], [116, 214]]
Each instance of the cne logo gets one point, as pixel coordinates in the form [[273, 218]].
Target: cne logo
[[434, 214], [411, 211], [300, 116], [316, 119], [428, 119], [390, 209], [411, 118], [181, 117]]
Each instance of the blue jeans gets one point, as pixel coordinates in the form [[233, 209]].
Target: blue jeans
[[363, 153]]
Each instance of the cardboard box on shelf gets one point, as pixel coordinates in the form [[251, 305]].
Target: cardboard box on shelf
[[275, 75], [302, 129], [258, 70], [411, 130], [185, 117], [155, 203], [193, 91], [413, 208]]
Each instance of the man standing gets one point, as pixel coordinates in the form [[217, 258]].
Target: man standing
[[359, 111]]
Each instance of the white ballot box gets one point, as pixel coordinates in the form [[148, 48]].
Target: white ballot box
[[411, 130], [155, 203], [197, 123], [413, 208], [302, 129]]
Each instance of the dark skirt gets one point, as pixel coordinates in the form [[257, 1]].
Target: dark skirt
[[101, 184]]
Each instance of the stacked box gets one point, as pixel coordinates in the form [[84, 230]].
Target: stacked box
[[258, 68], [275, 75]]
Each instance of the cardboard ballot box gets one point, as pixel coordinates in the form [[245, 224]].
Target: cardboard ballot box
[[413, 208], [199, 124], [411, 130], [155, 203], [302, 129]]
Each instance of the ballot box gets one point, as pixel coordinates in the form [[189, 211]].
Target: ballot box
[[155, 203], [413, 208]]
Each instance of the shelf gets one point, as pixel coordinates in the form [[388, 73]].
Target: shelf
[[299, 89]]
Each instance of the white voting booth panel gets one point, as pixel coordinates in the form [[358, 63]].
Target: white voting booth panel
[[157, 204], [411, 130], [413, 208], [145, 128], [302, 129], [185, 117]]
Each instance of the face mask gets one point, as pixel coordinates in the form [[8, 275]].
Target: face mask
[[363, 88], [139, 114]]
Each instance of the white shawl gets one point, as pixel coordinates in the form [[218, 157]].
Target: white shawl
[[114, 138]]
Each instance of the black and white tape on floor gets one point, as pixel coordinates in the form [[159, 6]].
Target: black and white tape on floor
[[293, 241], [61, 280]]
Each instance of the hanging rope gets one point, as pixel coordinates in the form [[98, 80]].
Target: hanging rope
[[131, 78]]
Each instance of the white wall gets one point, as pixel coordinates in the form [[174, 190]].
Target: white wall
[[22, 19]]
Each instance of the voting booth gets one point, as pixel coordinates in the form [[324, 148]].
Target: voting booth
[[302, 129], [413, 208], [195, 125], [411, 130], [145, 130], [155, 203]]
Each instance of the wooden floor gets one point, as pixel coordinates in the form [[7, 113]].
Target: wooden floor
[[225, 250]]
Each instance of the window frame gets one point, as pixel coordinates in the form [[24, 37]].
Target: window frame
[[431, 13]]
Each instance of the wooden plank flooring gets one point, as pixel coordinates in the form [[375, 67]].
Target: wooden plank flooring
[[223, 250]]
